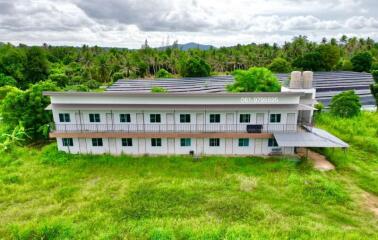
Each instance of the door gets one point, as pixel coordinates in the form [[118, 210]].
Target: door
[[200, 122], [260, 120], [258, 147], [291, 122], [171, 145], [199, 146], [229, 146], [109, 121], [139, 123], [230, 124], [78, 121], [170, 122]]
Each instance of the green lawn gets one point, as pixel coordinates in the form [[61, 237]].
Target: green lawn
[[50, 195]]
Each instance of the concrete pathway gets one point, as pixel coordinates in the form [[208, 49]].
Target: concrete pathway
[[319, 161]]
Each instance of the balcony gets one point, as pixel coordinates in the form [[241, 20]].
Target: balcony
[[175, 128]]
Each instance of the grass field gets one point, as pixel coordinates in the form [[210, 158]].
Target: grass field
[[49, 195]]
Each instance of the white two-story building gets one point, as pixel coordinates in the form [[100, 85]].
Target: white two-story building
[[129, 119]]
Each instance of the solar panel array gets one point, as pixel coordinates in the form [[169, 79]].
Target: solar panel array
[[327, 85]]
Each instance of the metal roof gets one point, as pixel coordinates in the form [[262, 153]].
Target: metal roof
[[314, 138], [327, 85]]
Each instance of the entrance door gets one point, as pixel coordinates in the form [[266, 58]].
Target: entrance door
[[258, 146], [171, 145], [199, 143], [139, 122], [78, 121], [291, 122], [230, 124], [200, 122], [109, 121], [170, 122], [229, 145]]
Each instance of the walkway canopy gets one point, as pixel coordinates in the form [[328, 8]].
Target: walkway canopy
[[314, 137]]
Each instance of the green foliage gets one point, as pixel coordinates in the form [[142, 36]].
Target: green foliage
[[362, 62], [37, 65], [156, 89], [329, 56], [162, 73], [374, 92], [14, 138], [346, 104], [310, 61], [5, 90], [346, 65], [28, 107], [13, 63], [374, 66], [195, 67], [280, 65], [117, 75], [50, 155], [255, 79], [7, 80], [60, 79], [374, 73], [319, 106]]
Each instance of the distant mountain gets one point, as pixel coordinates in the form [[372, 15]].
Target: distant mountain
[[191, 45]]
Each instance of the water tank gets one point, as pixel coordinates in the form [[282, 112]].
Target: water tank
[[308, 77], [295, 80]]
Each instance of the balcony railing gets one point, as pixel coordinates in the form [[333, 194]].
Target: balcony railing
[[180, 128]]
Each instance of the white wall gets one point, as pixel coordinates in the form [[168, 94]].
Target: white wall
[[143, 146]]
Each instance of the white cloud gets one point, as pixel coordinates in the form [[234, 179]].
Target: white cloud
[[127, 23]]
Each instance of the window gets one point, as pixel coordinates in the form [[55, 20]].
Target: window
[[64, 117], [243, 142], [94, 117], [185, 142], [155, 118], [245, 118], [272, 142], [275, 118], [124, 118], [215, 118], [156, 142], [67, 142], [214, 142], [127, 142], [97, 142], [184, 118]]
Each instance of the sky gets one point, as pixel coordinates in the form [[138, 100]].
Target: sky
[[128, 23]]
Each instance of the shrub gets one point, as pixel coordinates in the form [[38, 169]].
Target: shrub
[[5, 90], [319, 106], [7, 80], [347, 65], [280, 65], [362, 62], [51, 155], [374, 73], [60, 79], [195, 67], [255, 79], [162, 73], [157, 89], [346, 104]]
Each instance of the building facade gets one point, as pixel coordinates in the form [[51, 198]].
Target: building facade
[[139, 123]]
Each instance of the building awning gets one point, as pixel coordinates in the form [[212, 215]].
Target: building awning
[[49, 107], [314, 137]]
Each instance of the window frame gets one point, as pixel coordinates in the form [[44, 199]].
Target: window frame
[[126, 142], [94, 118], [275, 118], [155, 117], [241, 115], [272, 142], [187, 142], [214, 118], [97, 142], [64, 117], [124, 117], [184, 118], [214, 142], [156, 142], [67, 142], [243, 142]]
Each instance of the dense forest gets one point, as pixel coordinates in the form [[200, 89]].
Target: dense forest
[[87, 67]]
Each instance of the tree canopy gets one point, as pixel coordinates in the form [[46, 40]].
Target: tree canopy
[[255, 79], [346, 104], [195, 67], [280, 65], [362, 62]]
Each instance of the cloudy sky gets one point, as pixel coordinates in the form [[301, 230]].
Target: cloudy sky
[[127, 23]]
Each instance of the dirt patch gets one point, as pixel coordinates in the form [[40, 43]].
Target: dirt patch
[[319, 161], [371, 202]]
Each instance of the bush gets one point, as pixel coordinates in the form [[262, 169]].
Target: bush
[[374, 73], [362, 62], [374, 92], [162, 73], [60, 79], [117, 76], [195, 67], [51, 155], [5, 90], [255, 79], [157, 89], [347, 65], [280, 65], [7, 80], [346, 104], [319, 106]]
